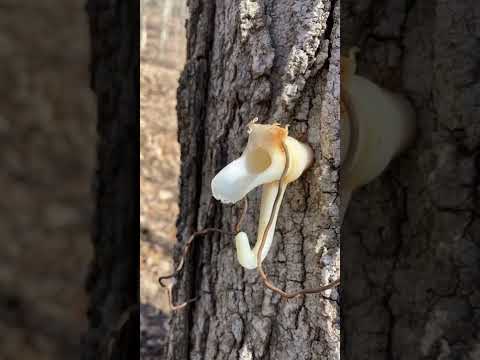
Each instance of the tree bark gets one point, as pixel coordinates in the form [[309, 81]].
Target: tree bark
[[279, 61], [143, 25], [113, 280], [410, 245]]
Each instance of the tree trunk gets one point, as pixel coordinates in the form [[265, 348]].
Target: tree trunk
[[143, 25], [113, 281], [410, 245], [278, 60]]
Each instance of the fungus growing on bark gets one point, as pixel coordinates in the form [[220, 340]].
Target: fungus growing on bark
[[262, 163], [272, 159]]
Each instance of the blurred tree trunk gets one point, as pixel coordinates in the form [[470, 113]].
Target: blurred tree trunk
[[278, 61], [410, 241], [143, 25], [113, 281]]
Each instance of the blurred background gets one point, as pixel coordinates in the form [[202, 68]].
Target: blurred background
[[161, 62], [47, 156]]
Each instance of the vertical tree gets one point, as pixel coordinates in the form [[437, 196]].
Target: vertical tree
[[410, 243], [143, 25], [113, 282], [279, 61]]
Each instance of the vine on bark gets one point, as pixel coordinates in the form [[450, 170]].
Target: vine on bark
[[260, 270]]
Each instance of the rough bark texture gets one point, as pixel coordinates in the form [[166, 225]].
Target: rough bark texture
[[278, 60], [113, 282], [410, 243]]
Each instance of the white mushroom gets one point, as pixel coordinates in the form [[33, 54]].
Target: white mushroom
[[262, 163]]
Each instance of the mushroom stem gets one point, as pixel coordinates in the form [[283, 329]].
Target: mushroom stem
[[246, 256]]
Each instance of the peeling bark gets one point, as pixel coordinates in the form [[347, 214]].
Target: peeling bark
[[410, 240], [278, 60]]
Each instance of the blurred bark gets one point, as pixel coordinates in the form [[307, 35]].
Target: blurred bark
[[113, 281], [410, 241], [143, 25], [278, 60]]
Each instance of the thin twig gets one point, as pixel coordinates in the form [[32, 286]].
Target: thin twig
[[186, 249], [180, 266], [262, 273]]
